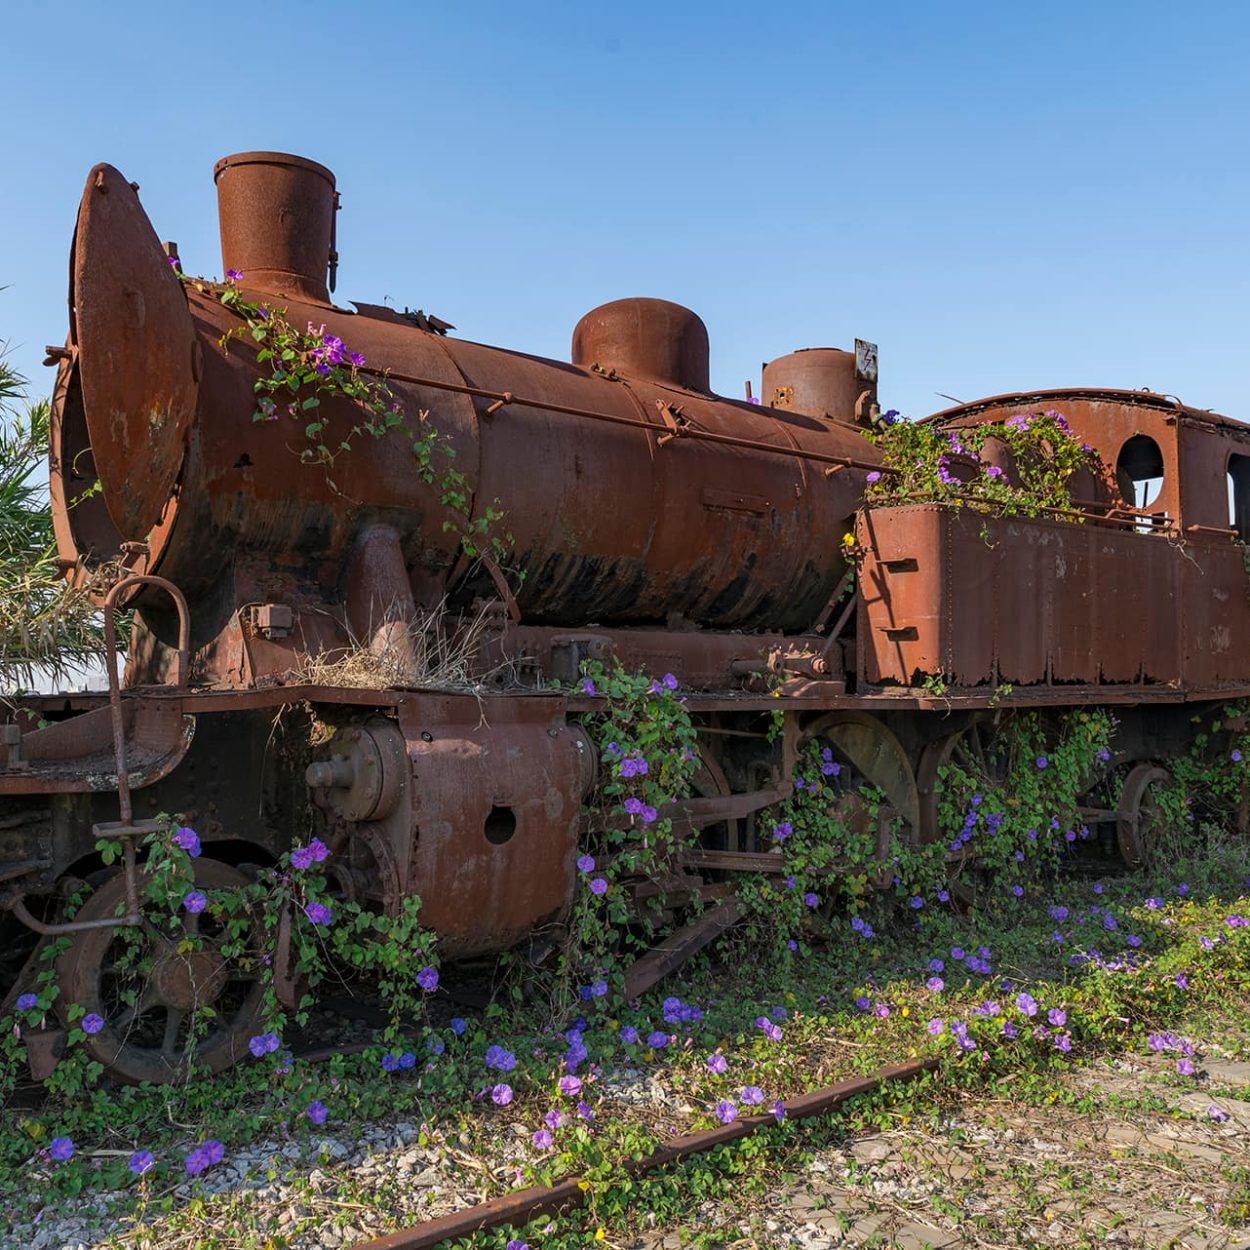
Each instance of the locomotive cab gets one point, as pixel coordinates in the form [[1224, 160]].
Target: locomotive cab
[[1140, 584]]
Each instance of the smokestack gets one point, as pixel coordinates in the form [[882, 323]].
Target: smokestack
[[277, 223]]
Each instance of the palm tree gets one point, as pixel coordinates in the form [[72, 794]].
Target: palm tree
[[46, 627]]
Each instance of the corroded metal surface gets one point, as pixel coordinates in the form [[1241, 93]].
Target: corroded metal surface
[[653, 525], [136, 353], [523, 1205]]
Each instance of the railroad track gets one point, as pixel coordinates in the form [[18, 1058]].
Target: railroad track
[[523, 1205]]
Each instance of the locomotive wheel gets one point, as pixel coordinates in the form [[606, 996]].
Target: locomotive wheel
[[149, 988], [876, 758], [977, 747], [1140, 821]]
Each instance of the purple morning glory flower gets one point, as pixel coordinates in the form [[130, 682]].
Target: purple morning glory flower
[[569, 1086], [317, 1112], [27, 1002], [586, 863], [497, 1057], [874, 476], [726, 1112], [357, 359], [501, 1094], [92, 1023], [717, 1064], [305, 856], [752, 1096], [142, 1161], [457, 1025], [936, 1025], [915, 902], [234, 275], [599, 886], [542, 1139], [1218, 1114], [633, 806], [629, 1035], [657, 1040], [61, 1149], [810, 899], [1026, 1004], [263, 1044], [188, 839], [195, 902], [1063, 1042], [935, 985], [1041, 761], [1057, 1017], [1185, 1067], [427, 979], [881, 1011], [1236, 757], [318, 913]]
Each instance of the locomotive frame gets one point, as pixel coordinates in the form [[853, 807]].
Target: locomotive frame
[[662, 528]]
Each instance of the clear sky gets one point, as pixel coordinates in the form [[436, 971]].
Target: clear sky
[[1001, 196]]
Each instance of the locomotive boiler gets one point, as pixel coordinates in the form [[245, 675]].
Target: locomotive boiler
[[649, 523]]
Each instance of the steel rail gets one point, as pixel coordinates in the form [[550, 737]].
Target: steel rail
[[523, 1205]]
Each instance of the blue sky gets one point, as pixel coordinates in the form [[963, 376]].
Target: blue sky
[[1001, 196]]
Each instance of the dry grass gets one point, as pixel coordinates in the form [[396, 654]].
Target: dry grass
[[444, 654]]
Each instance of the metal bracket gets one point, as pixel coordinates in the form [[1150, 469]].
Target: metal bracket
[[674, 422]]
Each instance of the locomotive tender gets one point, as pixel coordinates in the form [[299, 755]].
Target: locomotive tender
[[653, 523]]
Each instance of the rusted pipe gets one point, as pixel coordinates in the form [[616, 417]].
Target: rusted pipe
[[729, 440], [19, 909], [524, 1205], [133, 911]]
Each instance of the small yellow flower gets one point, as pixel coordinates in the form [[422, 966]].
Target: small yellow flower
[[583, 1185], [599, 1234], [907, 1011]]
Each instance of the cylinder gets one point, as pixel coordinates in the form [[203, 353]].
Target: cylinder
[[813, 382], [277, 222], [645, 338]]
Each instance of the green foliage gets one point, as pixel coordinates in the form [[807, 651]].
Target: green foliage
[[929, 463], [44, 624], [648, 748], [300, 369]]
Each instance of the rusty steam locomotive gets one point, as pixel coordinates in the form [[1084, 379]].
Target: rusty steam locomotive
[[656, 524]]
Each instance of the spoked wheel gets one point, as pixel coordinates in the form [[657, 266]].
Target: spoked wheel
[[1141, 821], [978, 748], [981, 751], [868, 754], [170, 1000]]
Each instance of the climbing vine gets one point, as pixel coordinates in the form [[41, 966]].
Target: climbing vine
[[928, 463], [649, 754], [302, 369]]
